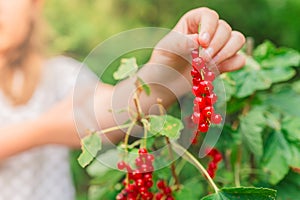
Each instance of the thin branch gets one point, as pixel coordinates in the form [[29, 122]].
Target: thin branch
[[173, 168], [190, 158]]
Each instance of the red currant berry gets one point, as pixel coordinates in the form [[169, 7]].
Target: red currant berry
[[139, 182], [139, 161], [120, 197], [203, 127], [195, 73], [142, 151], [170, 198], [211, 173], [159, 196], [217, 157], [196, 80], [121, 165], [150, 157], [196, 117], [205, 87], [211, 99], [196, 90], [208, 111], [198, 63], [200, 102], [194, 140], [212, 151], [216, 119], [209, 76], [195, 53], [212, 165], [167, 190], [161, 184], [149, 183]]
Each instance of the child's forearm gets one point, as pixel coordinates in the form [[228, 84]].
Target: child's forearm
[[20, 137]]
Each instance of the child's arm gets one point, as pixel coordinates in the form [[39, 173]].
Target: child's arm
[[57, 126]]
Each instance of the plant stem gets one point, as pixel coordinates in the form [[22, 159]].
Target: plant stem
[[137, 106], [173, 168], [127, 136], [237, 168], [189, 157], [115, 128], [145, 126]]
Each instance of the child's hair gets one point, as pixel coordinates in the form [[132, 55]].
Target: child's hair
[[20, 73]]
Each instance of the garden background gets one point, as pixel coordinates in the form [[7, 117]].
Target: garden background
[[77, 26]]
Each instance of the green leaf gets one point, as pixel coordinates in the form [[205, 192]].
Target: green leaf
[[289, 188], [127, 68], [291, 129], [285, 99], [278, 74], [229, 86], [145, 86], [263, 50], [272, 57], [165, 125], [243, 193], [90, 146], [249, 79], [191, 189], [277, 157], [251, 127], [268, 65], [295, 157]]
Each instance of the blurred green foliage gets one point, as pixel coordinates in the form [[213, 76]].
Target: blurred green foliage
[[78, 26]]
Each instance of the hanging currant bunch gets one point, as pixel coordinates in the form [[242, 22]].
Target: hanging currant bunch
[[203, 111]]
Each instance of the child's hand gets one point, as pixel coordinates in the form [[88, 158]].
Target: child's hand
[[216, 37]]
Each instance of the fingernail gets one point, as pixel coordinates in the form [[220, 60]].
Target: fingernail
[[204, 39]]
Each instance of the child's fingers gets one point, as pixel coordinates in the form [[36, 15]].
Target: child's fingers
[[221, 37], [233, 45], [206, 18], [233, 63]]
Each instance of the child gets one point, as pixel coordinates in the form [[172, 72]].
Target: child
[[34, 141], [30, 85]]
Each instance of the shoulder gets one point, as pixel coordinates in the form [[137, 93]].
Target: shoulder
[[62, 65], [60, 74]]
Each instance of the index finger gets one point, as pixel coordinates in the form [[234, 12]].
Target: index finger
[[204, 17]]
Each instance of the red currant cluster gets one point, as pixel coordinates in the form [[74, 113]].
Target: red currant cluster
[[139, 181], [165, 192], [204, 114], [213, 165]]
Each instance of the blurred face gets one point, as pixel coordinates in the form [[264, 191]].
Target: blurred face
[[15, 19]]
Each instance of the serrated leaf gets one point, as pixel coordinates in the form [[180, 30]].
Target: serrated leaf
[[263, 50], [165, 125], [271, 57], [291, 129], [275, 162], [268, 65], [289, 188], [229, 85], [127, 68], [243, 193], [251, 127], [146, 87], [285, 99], [191, 189], [249, 79], [295, 156], [90, 146], [278, 74]]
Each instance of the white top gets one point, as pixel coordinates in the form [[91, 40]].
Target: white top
[[42, 173]]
